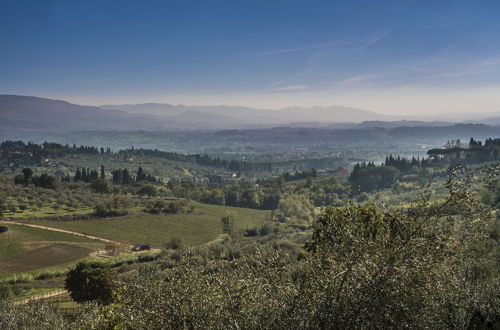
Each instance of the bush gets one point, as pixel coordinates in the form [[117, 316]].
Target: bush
[[5, 292], [101, 186], [176, 207], [174, 243], [147, 190], [113, 206], [250, 232], [265, 229]]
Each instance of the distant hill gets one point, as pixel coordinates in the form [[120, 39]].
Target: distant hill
[[237, 116], [35, 113], [28, 112], [251, 116], [403, 123]]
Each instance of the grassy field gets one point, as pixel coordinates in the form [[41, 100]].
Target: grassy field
[[202, 226], [24, 249]]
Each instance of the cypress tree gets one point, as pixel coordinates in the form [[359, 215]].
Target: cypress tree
[[78, 175]]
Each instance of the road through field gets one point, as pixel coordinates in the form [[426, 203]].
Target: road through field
[[105, 240]]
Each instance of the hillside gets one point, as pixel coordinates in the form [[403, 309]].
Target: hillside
[[28, 112], [245, 115]]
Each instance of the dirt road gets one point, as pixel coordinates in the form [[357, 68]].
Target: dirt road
[[60, 230], [40, 297]]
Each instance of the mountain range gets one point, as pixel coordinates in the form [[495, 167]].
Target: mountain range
[[35, 113]]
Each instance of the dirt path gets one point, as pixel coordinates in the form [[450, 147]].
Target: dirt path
[[105, 240], [40, 297]]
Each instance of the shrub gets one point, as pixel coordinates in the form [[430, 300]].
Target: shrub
[[147, 190], [250, 232], [174, 243]]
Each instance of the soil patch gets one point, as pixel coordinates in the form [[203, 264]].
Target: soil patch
[[55, 254]]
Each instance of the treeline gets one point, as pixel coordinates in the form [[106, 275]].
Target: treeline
[[41, 181], [244, 194], [369, 177], [203, 160], [122, 176], [406, 165], [474, 152], [35, 151], [18, 151], [119, 176]]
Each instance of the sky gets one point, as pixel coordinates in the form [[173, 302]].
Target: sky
[[389, 56]]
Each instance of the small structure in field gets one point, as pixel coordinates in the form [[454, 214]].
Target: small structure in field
[[141, 247]]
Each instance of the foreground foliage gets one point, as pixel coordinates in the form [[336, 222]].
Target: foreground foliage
[[435, 265]]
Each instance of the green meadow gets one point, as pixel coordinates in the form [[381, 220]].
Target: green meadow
[[199, 227]]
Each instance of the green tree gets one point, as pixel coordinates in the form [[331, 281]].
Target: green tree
[[27, 173], [126, 179], [78, 175], [91, 281], [227, 222], [101, 186], [148, 190], [295, 208]]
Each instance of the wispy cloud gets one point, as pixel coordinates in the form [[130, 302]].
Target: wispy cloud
[[376, 39], [357, 79], [487, 65], [307, 70], [299, 49], [289, 88], [361, 43]]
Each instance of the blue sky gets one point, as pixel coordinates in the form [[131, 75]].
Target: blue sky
[[392, 56]]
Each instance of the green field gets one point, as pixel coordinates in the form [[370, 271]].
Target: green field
[[201, 226], [25, 249]]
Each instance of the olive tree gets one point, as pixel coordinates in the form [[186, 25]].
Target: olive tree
[[91, 281]]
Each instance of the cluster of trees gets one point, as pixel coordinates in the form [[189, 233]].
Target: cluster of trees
[[475, 152], [86, 175], [245, 194], [16, 198], [492, 142], [123, 176], [407, 165], [119, 176], [299, 175], [173, 207], [368, 176], [42, 181], [114, 205], [32, 153]]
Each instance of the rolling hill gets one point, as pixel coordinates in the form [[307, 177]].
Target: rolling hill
[[28, 112], [41, 114]]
